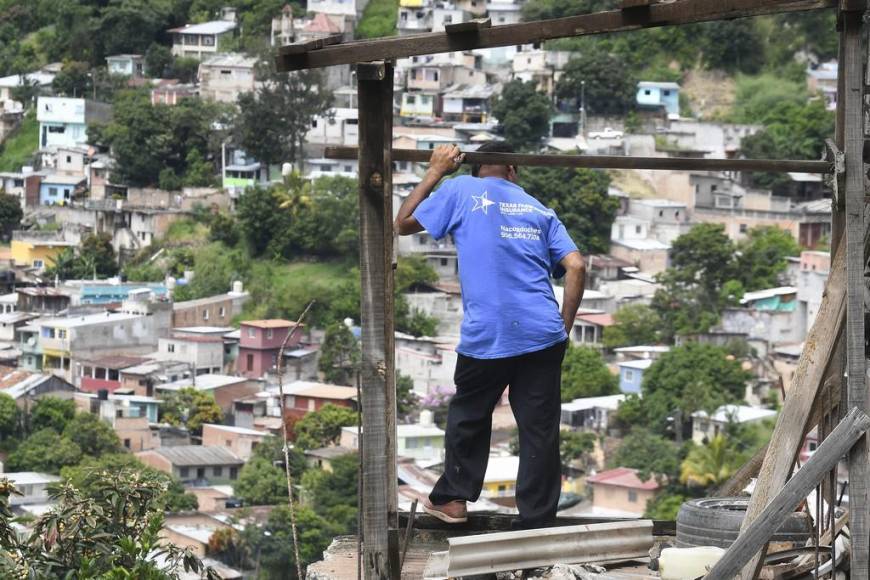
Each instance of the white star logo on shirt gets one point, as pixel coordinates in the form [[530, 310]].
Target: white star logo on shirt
[[482, 202]]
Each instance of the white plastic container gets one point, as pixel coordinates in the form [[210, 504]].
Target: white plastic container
[[688, 563]]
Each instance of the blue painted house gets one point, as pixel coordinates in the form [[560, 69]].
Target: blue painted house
[[58, 189], [659, 94], [631, 374]]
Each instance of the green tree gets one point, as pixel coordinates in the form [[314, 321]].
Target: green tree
[[323, 427], [604, 79], [761, 257], [190, 408], [158, 60], [276, 548], [733, 45], [184, 69], [690, 378], [273, 121], [44, 451], [523, 114], [407, 401], [584, 374], [73, 80], [10, 417], [199, 172], [261, 483], [10, 215], [339, 354], [710, 465], [111, 531], [575, 446], [664, 506], [94, 436], [378, 19], [216, 268], [52, 413], [261, 220], [333, 493], [652, 455], [579, 197], [633, 324], [546, 9], [82, 476], [96, 249]]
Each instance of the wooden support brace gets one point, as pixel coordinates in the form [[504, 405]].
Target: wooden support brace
[[753, 537], [303, 47], [469, 26], [788, 435]]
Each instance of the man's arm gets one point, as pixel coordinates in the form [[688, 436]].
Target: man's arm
[[444, 161], [575, 282]]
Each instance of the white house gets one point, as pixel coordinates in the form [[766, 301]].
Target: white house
[[63, 122], [504, 11], [40, 79], [198, 40], [352, 8], [423, 442], [32, 486], [590, 413], [706, 427], [128, 65], [223, 77]]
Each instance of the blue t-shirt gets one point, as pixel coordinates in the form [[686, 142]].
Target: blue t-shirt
[[508, 245]]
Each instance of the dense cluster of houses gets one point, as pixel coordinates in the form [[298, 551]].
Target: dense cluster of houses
[[119, 348]]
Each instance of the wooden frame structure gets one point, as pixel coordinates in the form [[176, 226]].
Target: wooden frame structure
[[836, 341]]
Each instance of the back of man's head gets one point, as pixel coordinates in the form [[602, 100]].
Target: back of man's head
[[490, 147]]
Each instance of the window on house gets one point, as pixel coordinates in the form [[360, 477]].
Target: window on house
[[52, 191], [205, 314], [629, 376], [314, 123], [443, 261], [184, 472], [250, 362], [647, 92], [218, 471], [208, 40], [127, 443], [18, 183], [448, 19], [269, 333], [252, 332], [38, 264], [713, 188], [170, 347], [200, 472], [743, 228], [410, 99], [222, 312], [435, 76], [661, 213], [234, 472], [57, 129], [68, 159], [632, 496], [637, 229], [61, 333], [667, 93]]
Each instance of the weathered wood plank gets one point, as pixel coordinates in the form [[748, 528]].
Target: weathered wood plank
[[754, 536], [788, 433], [468, 26], [856, 362], [670, 13], [607, 161], [377, 375]]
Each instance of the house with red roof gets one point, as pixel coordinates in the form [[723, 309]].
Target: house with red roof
[[589, 327], [620, 492]]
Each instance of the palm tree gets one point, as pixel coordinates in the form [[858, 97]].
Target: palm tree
[[711, 464]]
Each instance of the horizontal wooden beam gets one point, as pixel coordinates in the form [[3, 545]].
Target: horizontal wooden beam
[[663, 14], [607, 161]]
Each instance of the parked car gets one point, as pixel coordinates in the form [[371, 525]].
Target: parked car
[[608, 133]]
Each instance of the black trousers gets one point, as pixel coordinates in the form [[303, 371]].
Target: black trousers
[[535, 382]]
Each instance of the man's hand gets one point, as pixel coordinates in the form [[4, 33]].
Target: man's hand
[[445, 160]]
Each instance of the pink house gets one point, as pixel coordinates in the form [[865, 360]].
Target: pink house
[[259, 344]]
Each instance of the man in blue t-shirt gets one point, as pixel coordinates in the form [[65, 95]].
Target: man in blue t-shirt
[[512, 332]]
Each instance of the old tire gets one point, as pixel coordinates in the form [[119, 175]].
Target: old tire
[[716, 522]]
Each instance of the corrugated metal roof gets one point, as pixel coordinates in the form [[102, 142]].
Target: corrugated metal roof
[[623, 477], [199, 455], [213, 27]]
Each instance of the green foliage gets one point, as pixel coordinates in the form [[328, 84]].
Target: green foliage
[[82, 477], [710, 465], [584, 374], [757, 95], [154, 144], [216, 267], [52, 413], [664, 506], [277, 557], [378, 19], [158, 60], [112, 530], [94, 436], [72, 80], [340, 354], [146, 272], [271, 124], [761, 258], [546, 9], [651, 454], [44, 451], [579, 197], [407, 401], [323, 427], [633, 324], [575, 446], [523, 114], [261, 483], [94, 257], [333, 494], [10, 215], [10, 417], [689, 378], [610, 85], [732, 45], [190, 408], [18, 148]]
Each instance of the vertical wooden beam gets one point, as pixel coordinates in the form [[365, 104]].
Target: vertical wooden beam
[[853, 135], [379, 518]]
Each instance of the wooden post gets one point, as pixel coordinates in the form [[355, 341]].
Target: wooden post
[[856, 362], [377, 374]]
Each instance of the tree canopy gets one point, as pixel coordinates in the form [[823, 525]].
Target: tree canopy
[[323, 427], [523, 114], [190, 408], [584, 374], [633, 324], [603, 79]]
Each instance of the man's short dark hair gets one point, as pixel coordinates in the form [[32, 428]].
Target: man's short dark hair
[[490, 147]]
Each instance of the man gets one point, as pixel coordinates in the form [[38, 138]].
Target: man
[[512, 331]]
